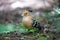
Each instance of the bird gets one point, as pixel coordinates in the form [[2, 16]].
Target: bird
[[29, 22]]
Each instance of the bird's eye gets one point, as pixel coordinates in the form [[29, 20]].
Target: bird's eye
[[26, 13]]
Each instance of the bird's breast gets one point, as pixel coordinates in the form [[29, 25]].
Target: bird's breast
[[27, 22]]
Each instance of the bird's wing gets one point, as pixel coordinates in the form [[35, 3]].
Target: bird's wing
[[37, 25]]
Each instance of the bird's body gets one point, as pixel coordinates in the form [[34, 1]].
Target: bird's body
[[27, 21], [30, 22]]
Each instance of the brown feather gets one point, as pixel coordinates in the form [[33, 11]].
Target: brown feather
[[27, 19], [28, 22]]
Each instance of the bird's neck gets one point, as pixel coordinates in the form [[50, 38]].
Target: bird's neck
[[26, 15]]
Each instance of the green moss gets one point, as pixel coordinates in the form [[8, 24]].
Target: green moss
[[42, 38], [4, 28]]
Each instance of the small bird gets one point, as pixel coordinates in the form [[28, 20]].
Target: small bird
[[29, 21]]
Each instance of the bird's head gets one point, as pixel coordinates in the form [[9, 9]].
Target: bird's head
[[26, 13]]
